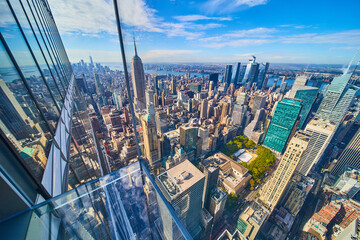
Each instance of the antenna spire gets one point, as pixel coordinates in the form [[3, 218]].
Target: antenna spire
[[135, 47]]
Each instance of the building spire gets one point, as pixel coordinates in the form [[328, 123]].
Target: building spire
[[135, 47]]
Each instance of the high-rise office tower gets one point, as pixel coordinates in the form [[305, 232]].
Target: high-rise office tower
[[282, 123], [217, 203], [350, 157], [150, 142], [274, 188], [241, 98], [242, 74], [149, 96], [188, 138], [236, 74], [173, 85], [117, 97], [338, 97], [138, 77], [211, 87], [321, 132], [204, 135], [161, 121], [300, 81], [256, 123], [308, 96], [239, 114], [259, 103], [253, 74], [228, 75], [251, 71], [203, 109], [224, 110], [263, 68], [183, 187], [214, 77]]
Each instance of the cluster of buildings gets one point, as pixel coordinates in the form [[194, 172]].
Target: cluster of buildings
[[182, 119]]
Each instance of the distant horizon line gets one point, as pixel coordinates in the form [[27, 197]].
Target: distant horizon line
[[275, 63]]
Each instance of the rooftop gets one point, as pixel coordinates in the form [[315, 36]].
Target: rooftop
[[217, 194], [180, 178]]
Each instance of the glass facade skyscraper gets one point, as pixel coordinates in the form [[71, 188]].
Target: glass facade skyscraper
[[282, 123], [308, 96], [337, 99]]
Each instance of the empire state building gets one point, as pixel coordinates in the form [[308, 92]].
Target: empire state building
[[137, 73]]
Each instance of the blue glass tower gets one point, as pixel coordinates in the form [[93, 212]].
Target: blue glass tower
[[282, 123]]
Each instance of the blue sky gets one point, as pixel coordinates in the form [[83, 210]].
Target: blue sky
[[224, 31]]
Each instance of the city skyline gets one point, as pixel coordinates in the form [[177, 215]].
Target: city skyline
[[211, 31]]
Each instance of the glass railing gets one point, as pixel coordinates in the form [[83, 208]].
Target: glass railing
[[125, 204]]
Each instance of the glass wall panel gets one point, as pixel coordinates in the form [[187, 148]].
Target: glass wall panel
[[44, 45], [20, 119], [38, 52], [21, 53], [124, 204], [42, 17]]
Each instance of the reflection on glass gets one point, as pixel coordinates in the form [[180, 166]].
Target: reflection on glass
[[23, 57], [122, 205], [20, 120]]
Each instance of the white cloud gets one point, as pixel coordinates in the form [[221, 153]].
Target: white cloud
[[350, 37], [254, 36], [227, 6], [192, 18], [93, 18], [88, 17], [260, 36]]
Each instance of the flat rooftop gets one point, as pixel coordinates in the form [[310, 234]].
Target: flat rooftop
[[246, 157], [217, 194], [172, 134], [180, 178]]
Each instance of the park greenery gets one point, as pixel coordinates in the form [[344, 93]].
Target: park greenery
[[259, 165], [238, 142], [231, 201]]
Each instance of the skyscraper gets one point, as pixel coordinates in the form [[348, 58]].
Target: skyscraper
[[308, 96], [350, 157], [173, 85], [214, 77], [151, 152], [235, 78], [188, 138], [203, 109], [263, 68], [138, 77], [321, 132], [274, 188], [338, 97], [183, 187], [282, 123], [228, 75], [251, 71], [259, 103], [300, 81]]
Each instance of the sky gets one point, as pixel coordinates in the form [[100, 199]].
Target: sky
[[212, 31]]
